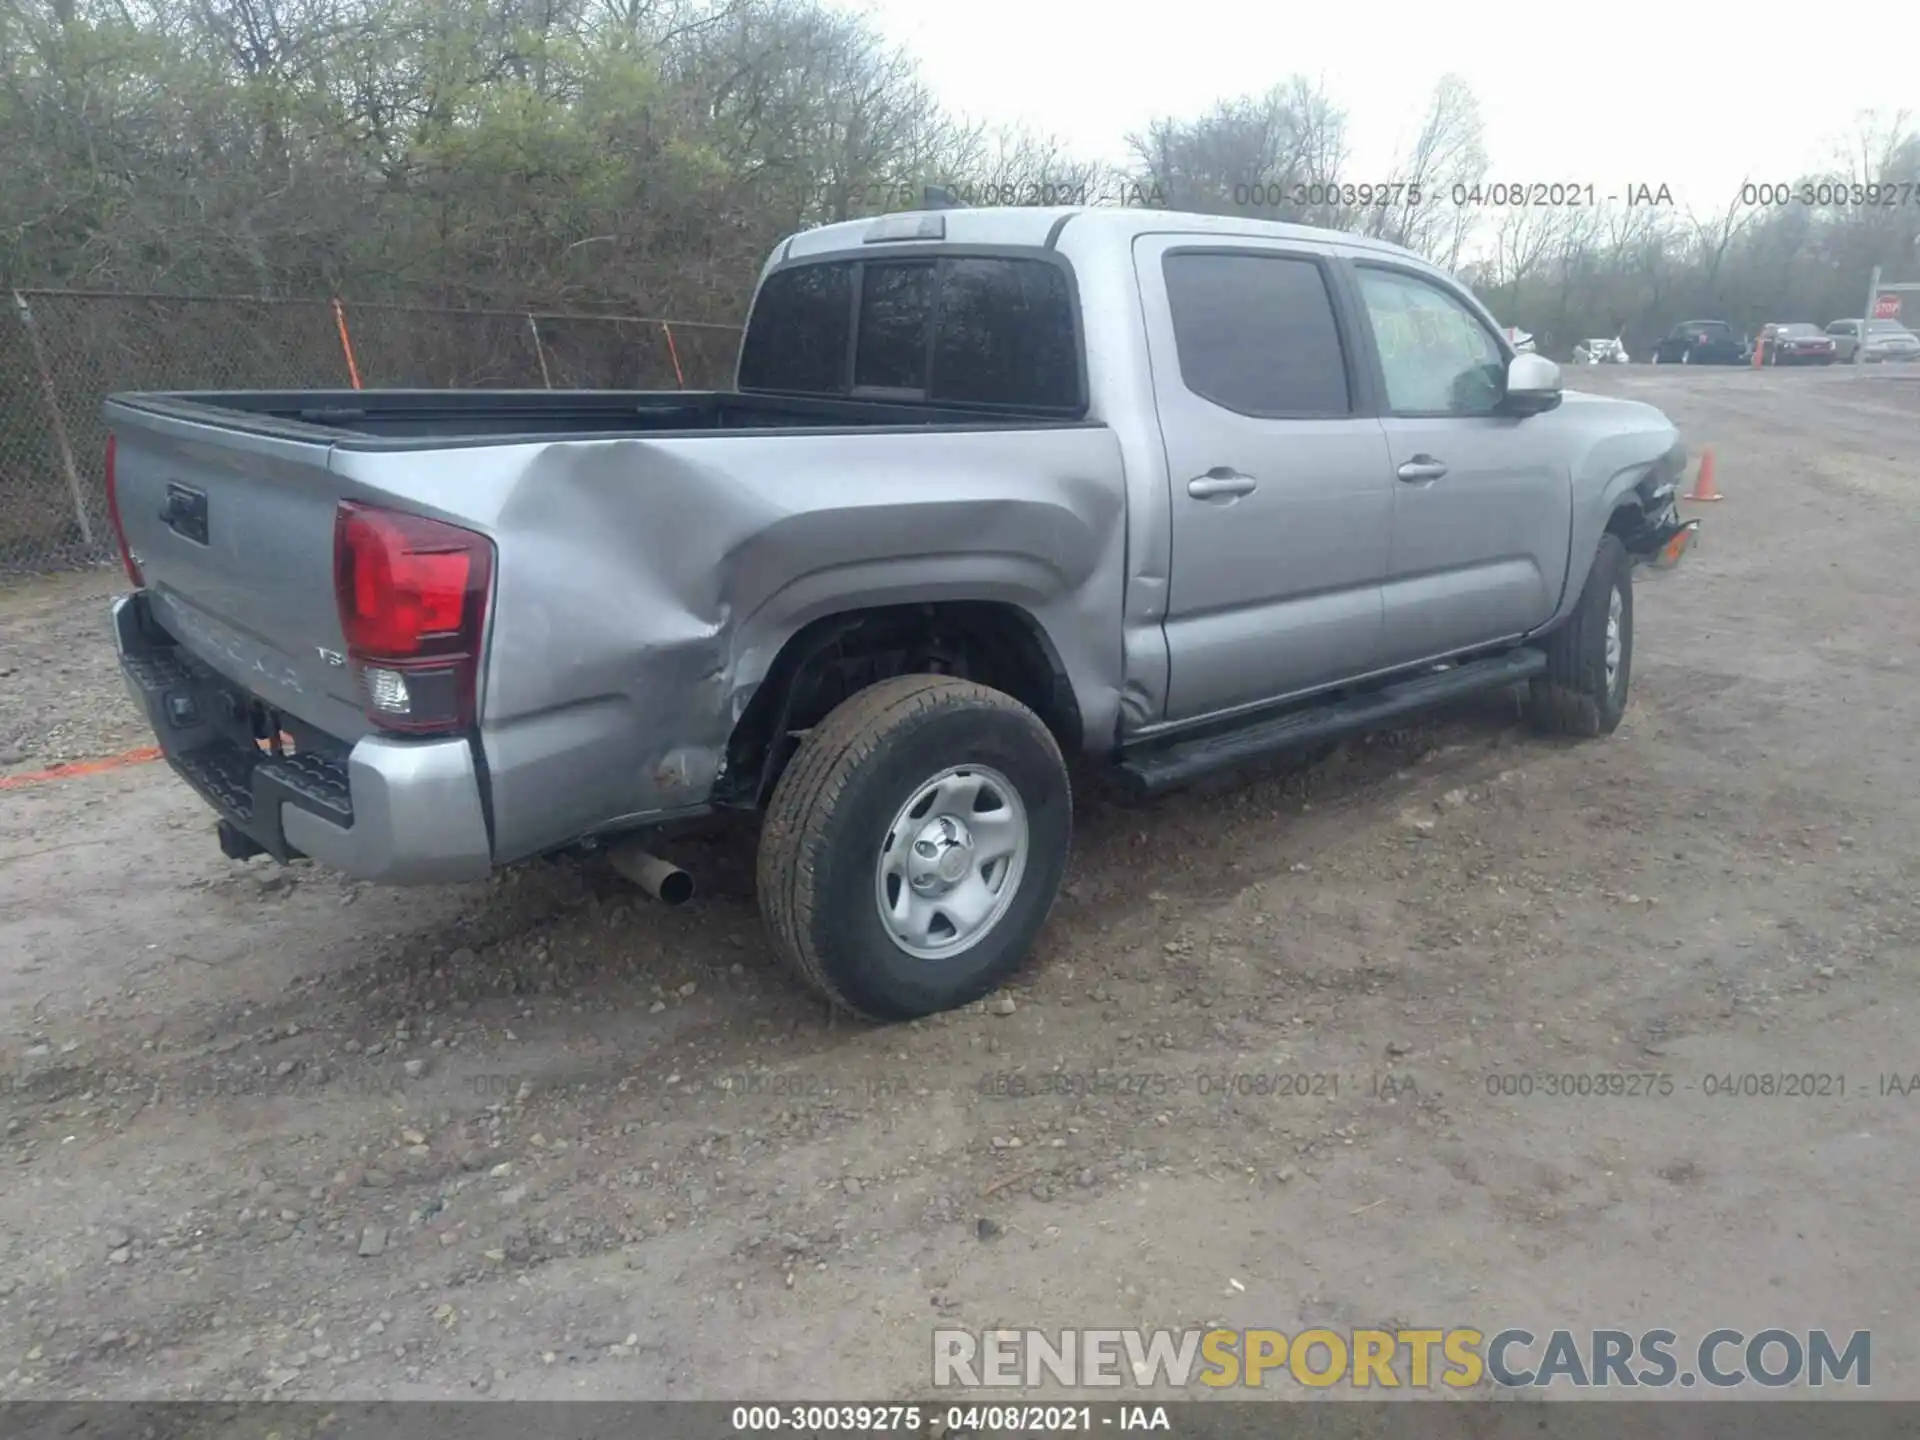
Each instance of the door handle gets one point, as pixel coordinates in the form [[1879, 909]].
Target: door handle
[[1421, 469], [1221, 481]]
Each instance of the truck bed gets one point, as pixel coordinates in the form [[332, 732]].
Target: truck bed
[[646, 546], [437, 419]]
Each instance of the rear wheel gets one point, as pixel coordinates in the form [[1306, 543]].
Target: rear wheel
[[914, 846], [1590, 658]]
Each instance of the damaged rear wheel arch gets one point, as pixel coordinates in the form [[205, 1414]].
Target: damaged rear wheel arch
[[993, 643]]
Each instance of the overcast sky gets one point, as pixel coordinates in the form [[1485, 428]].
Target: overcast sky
[[1682, 93]]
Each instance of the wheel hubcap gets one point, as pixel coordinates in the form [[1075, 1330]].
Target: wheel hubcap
[[951, 862], [1614, 610]]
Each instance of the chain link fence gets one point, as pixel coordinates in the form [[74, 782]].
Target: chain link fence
[[63, 351]]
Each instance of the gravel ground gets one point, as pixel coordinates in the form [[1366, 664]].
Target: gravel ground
[[60, 693], [269, 1133]]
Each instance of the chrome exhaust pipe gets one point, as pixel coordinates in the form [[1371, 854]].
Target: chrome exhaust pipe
[[662, 879]]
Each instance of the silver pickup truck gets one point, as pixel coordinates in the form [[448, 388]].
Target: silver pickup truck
[[993, 487]]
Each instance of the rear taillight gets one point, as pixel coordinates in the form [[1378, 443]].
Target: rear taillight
[[413, 597], [113, 515]]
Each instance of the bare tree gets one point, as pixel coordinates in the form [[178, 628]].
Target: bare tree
[[643, 155], [1713, 234], [1274, 155], [1448, 151]]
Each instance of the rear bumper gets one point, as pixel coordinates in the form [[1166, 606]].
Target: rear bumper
[[397, 812]]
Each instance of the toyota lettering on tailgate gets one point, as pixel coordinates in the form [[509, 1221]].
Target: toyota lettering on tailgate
[[247, 656]]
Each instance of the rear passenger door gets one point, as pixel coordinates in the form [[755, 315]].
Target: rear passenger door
[[1281, 498]]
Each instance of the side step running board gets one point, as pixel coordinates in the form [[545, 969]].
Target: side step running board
[[1151, 771]]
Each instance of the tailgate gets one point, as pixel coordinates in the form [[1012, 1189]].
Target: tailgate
[[233, 532]]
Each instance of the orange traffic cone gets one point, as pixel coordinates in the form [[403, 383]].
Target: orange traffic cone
[[1703, 482]]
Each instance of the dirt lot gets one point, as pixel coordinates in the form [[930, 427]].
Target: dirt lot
[[269, 1133]]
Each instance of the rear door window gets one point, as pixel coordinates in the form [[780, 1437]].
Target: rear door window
[[1256, 334]]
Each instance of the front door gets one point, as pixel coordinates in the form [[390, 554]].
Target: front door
[[1482, 501], [1282, 499]]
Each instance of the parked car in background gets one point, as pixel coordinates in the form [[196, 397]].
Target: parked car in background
[[1600, 351], [1791, 343], [1701, 342], [1886, 340]]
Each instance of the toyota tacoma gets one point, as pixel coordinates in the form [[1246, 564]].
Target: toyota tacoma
[[992, 488]]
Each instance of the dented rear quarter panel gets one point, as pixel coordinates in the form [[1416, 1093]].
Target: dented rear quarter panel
[[645, 585]]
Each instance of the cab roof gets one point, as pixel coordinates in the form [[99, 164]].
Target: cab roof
[[1039, 227]]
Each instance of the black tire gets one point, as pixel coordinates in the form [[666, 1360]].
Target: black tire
[[1574, 697], [829, 822]]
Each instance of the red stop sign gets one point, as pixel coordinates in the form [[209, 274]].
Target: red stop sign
[[1886, 307]]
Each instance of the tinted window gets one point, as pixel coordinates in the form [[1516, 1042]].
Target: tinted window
[[1005, 335], [1435, 356], [896, 305], [1003, 331], [1256, 334], [798, 336]]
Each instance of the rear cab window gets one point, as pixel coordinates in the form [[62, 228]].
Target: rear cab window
[[965, 330]]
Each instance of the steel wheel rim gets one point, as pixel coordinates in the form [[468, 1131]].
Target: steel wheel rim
[[1616, 609], [951, 862]]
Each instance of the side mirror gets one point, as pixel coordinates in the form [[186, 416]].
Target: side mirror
[[1533, 385]]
